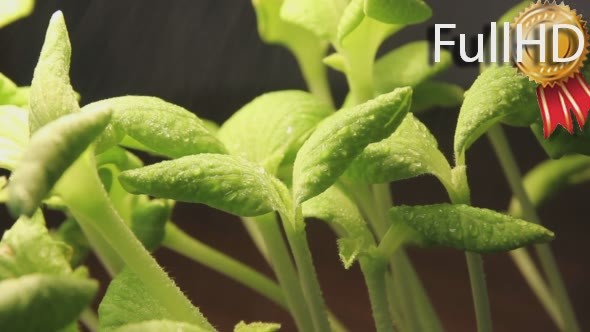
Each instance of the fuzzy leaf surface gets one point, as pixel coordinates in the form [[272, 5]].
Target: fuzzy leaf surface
[[227, 183], [257, 327], [339, 139], [467, 228]]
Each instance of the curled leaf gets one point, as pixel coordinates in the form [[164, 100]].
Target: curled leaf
[[339, 139], [52, 95], [224, 182], [40, 302], [52, 150], [273, 127], [398, 11], [409, 152], [466, 228], [158, 126], [498, 94]]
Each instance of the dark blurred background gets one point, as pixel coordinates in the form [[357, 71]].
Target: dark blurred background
[[205, 55]]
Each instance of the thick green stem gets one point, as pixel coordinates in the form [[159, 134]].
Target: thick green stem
[[374, 271], [81, 182], [284, 270], [109, 259], [479, 292], [182, 243], [314, 71], [295, 231], [548, 263]]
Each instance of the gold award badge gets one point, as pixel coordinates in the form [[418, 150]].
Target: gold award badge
[[556, 69]]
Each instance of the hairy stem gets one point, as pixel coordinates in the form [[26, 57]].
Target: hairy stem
[[109, 259], [182, 243], [374, 271], [80, 182], [548, 263]]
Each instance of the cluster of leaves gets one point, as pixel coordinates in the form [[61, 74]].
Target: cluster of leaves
[[289, 153]]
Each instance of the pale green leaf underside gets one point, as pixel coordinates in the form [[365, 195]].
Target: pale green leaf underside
[[272, 127], [466, 228], [228, 183], [398, 11], [52, 150], [159, 126], [257, 327], [343, 136], [408, 65], [14, 135], [319, 17], [409, 152], [498, 93], [40, 302], [52, 95], [337, 209], [13, 10], [159, 326]]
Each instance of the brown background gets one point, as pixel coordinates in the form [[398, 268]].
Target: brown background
[[206, 56]]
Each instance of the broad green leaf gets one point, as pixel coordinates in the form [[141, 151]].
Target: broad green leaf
[[257, 327], [14, 135], [562, 143], [337, 209], [339, 139], [40, 302], [273, 126], [148, 220], [319, 17], [227, 183], [432, 94], [408, 65], [398, 11], [52, 95], [159, 326], [52, 150], [12, 10], [70, 233], [28, 248], [466, 228], [498, 94], [409, 152], [161, 127], [126, 302], [551, 176]]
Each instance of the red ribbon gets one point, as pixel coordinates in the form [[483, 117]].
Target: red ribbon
[[557, 101]]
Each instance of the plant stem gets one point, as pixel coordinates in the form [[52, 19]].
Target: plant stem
[[81, 182], [548, 264], [479, 292], [295, 231], [109, 259], [374, 271], [314, 72], [182, 243], [283, 267], [89, 318]]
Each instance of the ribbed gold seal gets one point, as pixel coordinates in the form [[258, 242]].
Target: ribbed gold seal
[[549, 73]]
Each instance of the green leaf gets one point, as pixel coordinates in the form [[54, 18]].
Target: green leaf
[[409, 152], [148, 220], [14, 135], [161, 127], [257, 327], [13, 10], [7, 89], [70, 233], [466, 228], [431, 94], [337, 209], [552, 176], [408, 65], [52, 95], [28, 248], [562, 143], [319, 17], [159, 326], [352, 17], [52, 150], [40, 302], [273, 126], [340, 138], [120, 158], [498, 94], [126, 302], [227, 183], [398, 11]]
